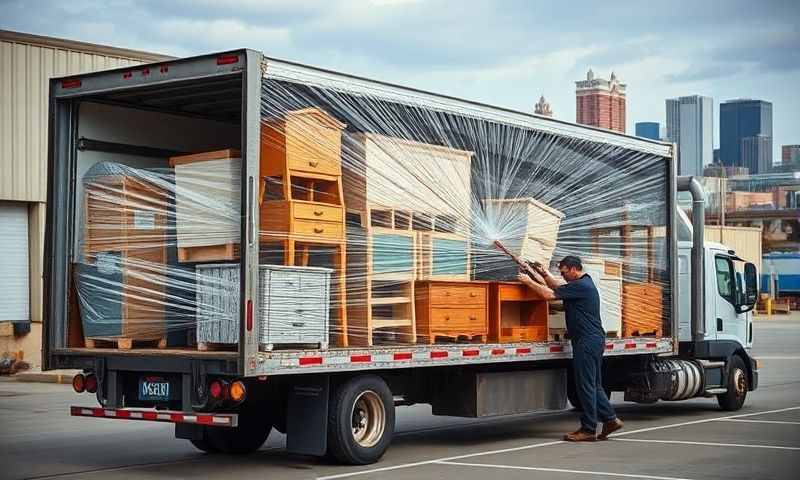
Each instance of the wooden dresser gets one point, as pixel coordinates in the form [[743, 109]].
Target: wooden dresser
[[452, 309]]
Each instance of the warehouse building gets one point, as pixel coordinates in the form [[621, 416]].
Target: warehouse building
[[27, 62]]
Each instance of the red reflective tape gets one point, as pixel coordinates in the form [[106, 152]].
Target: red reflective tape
[[145, 72], [556, 348], [402, 356], [98, 412], [164, 69], [523, 351], [629, 346], [471, 353], [249, 315], [438, 354], [205, 419], [360, 358], [609, 346], [176, 417], [123, 414], [498, 351], [310, 361], [127, 75], [651, 345], [150, 415]]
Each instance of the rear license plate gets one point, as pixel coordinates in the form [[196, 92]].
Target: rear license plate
[[154, 388]]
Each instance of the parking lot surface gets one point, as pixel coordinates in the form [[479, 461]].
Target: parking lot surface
[[683, 440]]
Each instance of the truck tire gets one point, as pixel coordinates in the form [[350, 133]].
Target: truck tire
[[734, 398], [247, 437], [360, 420]]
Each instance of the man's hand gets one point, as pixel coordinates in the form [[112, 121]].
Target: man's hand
[[524, 278], [540, 289], [539, 268]]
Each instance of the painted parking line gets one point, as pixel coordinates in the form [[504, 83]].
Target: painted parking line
[[743, 420], [563, 470], [697, 422], [706, 444], [544, 444]]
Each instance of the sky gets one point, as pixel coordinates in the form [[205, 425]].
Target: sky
[[505, 53]]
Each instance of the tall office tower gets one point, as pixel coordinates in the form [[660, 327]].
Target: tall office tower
[[600, 102], [740, 119], [757, 153], [690, 124]]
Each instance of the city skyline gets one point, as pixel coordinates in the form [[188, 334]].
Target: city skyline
[[690, 124], [540, 49]]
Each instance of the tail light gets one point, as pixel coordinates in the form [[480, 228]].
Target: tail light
[[218, 390], [90, 383], [238, 391], [71, 83], [227, 59], [79, 383]]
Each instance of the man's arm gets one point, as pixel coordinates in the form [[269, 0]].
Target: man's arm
[[550, 280], [542, 290]]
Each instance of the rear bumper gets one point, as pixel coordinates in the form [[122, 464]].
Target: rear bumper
[[169, 416]]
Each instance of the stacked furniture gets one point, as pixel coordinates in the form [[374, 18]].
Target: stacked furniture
[[400, 229], [208, 205], [302, 205], [294, 305], [455, 310], [122, 279], [516, 314], [642, 311]]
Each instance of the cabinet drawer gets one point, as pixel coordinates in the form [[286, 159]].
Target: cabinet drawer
[[457, 295], [311, 211], [312, 161], [458, 319], [284, 283], [318, 229]]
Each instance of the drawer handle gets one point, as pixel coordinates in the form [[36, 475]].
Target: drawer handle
[[298, 324], [318, 212], [447, 317], [314, 164], [473, 317], [473, 294], [318, 230]]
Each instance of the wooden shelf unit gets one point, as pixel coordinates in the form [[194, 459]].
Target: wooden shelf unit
[[516, 314], [642, 310], [301, 197]]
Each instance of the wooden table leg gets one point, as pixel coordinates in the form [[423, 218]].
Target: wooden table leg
[[288, 252]]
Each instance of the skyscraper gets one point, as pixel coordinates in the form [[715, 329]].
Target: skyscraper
[[647, 130], [690, 124], [757, 153], [600, 102], [741, 119]]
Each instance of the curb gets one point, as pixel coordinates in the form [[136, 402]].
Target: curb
[[58, 376]]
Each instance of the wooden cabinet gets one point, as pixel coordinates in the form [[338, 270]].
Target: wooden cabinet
[[517, 314], [642, 310], [451, 309]]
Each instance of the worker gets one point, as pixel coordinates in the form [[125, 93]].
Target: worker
[[582, 312]]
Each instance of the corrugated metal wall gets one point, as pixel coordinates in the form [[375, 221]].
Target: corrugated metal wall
[[24, 73], [745, 241]]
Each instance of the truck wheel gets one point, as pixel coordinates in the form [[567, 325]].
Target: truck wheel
[[733, 399], [247, 437], [360, 420]]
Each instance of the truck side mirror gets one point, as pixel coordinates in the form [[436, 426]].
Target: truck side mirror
[[751, 284]]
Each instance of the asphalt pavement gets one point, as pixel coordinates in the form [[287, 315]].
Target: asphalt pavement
[[682, 440]]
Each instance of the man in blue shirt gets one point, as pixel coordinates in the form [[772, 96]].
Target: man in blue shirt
[[582, 312]]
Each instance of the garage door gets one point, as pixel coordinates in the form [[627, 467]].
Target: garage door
[[14, 281]]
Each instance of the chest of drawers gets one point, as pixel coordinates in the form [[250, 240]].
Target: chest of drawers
[[294, 305], [451, 309]]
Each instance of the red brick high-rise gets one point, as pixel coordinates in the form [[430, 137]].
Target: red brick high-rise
[[600, 102]]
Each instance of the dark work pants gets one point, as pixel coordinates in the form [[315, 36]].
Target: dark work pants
[[587, 363]]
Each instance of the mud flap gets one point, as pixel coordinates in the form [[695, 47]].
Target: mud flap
[[307, 415]]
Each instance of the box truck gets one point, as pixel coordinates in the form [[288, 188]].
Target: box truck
[[237, 244]]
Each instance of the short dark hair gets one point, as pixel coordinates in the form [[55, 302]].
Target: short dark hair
[[571, 261]]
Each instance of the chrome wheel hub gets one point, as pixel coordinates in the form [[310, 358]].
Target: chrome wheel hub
[[368, 419]]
